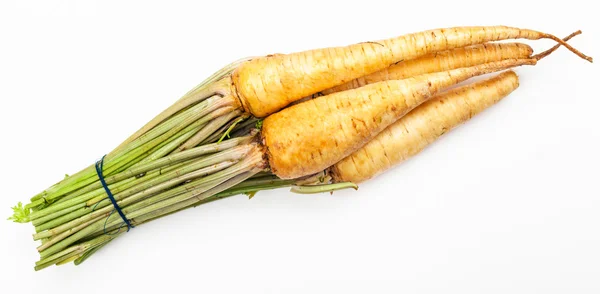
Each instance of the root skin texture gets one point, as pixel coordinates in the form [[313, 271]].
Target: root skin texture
[[311, 136], [442, 61], [267, 84], [422, 126]]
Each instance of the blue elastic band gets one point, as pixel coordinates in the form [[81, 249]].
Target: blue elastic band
[[99, 166]]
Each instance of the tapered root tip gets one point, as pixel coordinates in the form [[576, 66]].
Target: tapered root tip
[[571, 48], [549, 51]]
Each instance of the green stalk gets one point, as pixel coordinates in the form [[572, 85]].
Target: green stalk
[[313, 189], [217, 75], [150, 217], [154, 214], [227, 132], [235, 153], [79, 201], [42, 220], [200, 121], [83, 208], [40, 198], [72, 258], [164, 149], [251, 185], [89, 253], [91, 176], [195, 186], [208, 106], [245, 128], [143, 168], [250, 122], [206, 112], [209, 129], [57, 261], [197, 110], [91, 208], [210, 80], [81, 179], [200, 187], [209, 87], [77, 247], [196, 169], [179, 157], [66, 233], [247, 164], [63, 205], [217, 134], [211, 182], [73, 250], [265, 180]]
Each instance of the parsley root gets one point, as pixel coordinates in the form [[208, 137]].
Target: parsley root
[[422, 126]]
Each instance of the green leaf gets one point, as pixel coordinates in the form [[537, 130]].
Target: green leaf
[[251, 194], [259, 124], [20, 214]]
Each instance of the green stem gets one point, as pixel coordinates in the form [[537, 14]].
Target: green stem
[[164, 149], [251, 185], [196, 198], [42, 220], [249, 163], [197, 116], [158, 163], [226, 133], [217, 134], [134, 171], [185, 118], [209, 129], [205, 89], [66, 233], [218, 75], [232, 154], [90, 211], [313, 189], [89, 253], [173, 209], [74, 250], [179, 157], [201, 167], [115, 188]]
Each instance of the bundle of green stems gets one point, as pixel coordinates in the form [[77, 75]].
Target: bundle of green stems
[[201, 153]]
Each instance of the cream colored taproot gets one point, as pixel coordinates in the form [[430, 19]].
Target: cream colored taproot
[[264, 85], [442, 61], [309, 137], [267, 84], [422, 126]]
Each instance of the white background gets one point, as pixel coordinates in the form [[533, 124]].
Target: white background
[[508, 203]]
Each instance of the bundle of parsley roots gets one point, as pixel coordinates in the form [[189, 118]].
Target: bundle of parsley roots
[[316, 121]]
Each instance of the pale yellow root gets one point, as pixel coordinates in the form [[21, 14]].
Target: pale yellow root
[[222, 83], [442, 61], [422, 126], [266, 85], [311, 136], [447, 60]]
